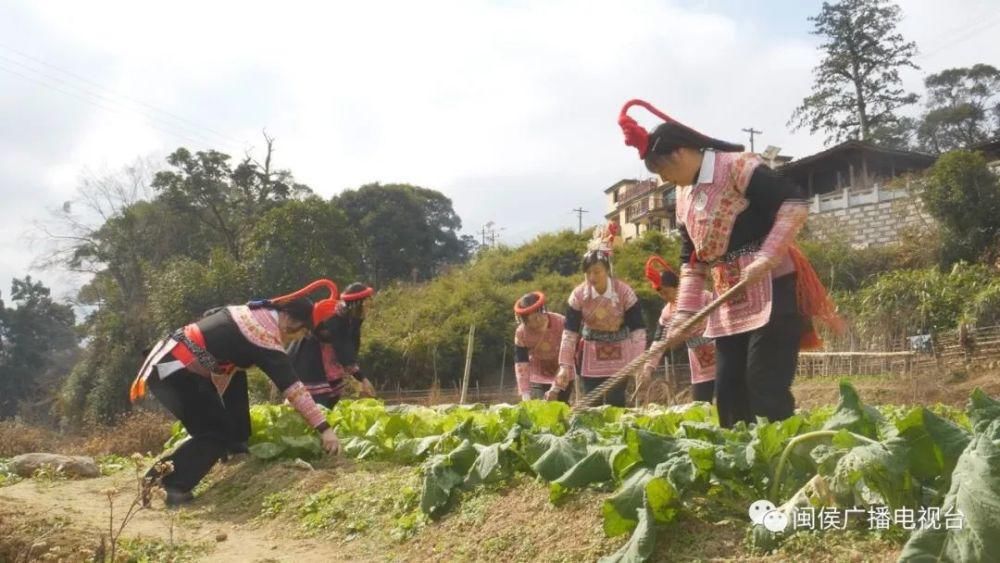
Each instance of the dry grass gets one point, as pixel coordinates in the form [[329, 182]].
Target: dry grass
[[18, 438], [142, 432]]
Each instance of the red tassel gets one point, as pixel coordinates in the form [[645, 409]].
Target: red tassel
[[814, 300], [810, 340]]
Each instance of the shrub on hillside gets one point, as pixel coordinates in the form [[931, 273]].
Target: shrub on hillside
[[418, 330]]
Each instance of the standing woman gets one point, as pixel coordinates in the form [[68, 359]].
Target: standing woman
[[536, 347], [738, 219], [701, 350], [328, 359], [194, 365], [605, 313]]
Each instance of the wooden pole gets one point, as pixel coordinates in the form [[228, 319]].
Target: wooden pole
[[503, 365], [468, 364]]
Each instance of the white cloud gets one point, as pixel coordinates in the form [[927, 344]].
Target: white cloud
[[509, 107]]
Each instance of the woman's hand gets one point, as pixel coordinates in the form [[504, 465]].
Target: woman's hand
[[367, 389], [756, 270], [680, 319], [330, 441]]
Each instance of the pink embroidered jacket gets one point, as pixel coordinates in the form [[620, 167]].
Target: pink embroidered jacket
[[736, 212], [536, 353], [610, 325], [701, 353]]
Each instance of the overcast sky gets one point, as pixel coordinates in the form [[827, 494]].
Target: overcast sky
[[508, 107]]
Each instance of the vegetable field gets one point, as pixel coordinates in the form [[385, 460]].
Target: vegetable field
[[653, 464]]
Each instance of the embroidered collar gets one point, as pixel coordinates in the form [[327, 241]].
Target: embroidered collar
[[706, 174], [609, 292]]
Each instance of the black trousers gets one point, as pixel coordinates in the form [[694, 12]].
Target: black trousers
[[215, 423], [328, 400], [615, 397], [703, 391], [754, 370], [538, 392]]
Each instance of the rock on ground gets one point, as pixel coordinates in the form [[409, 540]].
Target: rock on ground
[[26, 465]]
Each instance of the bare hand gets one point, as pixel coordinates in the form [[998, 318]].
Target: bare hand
[[645, 378], [367, 389], [330, 441], [756, 270], [552, 394], [679, 320], [525, 396]]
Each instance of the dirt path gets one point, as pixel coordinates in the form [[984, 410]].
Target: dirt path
[[84, 504]]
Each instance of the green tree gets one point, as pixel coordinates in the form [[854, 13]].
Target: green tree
[[963, 194], [963, 108], [857, 88], [299, 242], [34, 337], [403, 231], [203, 186]]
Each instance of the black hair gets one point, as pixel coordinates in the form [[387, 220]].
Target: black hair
[[592, 257], [669, 279], [670, 136], [354, 307], [300, 309], [527, 300]]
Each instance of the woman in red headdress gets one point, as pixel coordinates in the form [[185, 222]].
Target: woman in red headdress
[[328, 359], [738, 220], [606, 315], [190, 373], [701, 350], [536, 347]]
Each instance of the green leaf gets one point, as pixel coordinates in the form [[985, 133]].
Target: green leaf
[[934, 443], [975, 494], [266, 450], [544, 416], [874, 474], [490, 465], [983, 409], [409, 450], [360, 448], [596, 467], [640, 546], [443, 473], [662, 499], [853, 415], [620, 510], [562, 454]]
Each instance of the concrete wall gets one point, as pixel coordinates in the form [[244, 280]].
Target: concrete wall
[[871, 224]]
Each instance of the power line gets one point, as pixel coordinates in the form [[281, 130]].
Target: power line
[[967, 33], [115, 105], [183, 121], [76, 96]]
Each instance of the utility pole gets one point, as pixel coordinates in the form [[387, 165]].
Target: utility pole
[[486, 227], [490, 233], [579, 218], [752, 132]]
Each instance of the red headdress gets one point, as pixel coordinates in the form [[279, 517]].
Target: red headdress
[[357, 295], [322, 309], [529, 309], [655, 267], [637, 136]]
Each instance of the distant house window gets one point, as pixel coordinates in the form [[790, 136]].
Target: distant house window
[[614, 196]]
